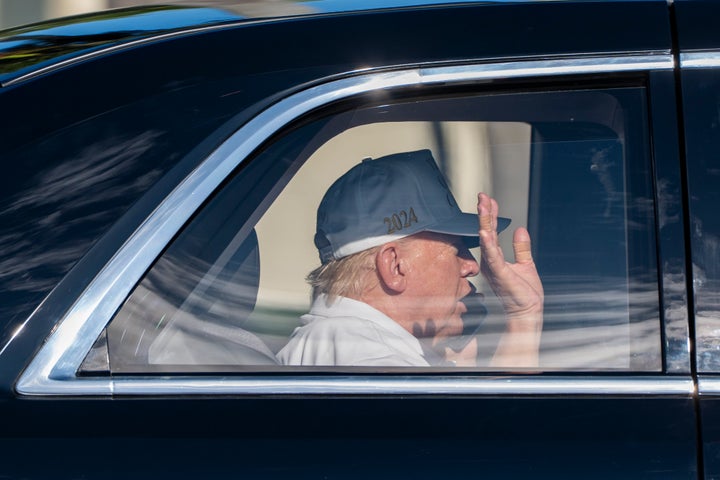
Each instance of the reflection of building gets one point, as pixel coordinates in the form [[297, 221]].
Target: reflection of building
[[19, 12]]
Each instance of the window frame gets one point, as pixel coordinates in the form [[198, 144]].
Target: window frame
[[53, 370]]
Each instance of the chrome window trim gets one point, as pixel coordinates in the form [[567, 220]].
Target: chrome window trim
[[53, 370], [417, 385], [709, 386], [700, 59], [386, 385], [422, 385]]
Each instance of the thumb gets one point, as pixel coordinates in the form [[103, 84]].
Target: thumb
[[522, 246]]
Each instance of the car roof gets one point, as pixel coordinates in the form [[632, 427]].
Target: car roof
[[31, 49], [38, 46]]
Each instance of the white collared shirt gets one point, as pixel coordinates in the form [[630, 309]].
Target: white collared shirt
[[349, 332]]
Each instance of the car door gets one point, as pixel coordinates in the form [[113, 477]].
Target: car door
[[699, 43], [163, 362]]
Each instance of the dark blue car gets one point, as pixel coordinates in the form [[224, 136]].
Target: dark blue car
[[162, 170]]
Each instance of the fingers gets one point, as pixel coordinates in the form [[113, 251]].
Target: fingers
[[517, 285], [492, 254], [486, 222], [487, 213], [522, 246]]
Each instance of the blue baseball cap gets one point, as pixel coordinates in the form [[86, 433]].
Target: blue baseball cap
[[381, 200]]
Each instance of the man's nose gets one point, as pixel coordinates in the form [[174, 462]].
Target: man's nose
[[470, 266]]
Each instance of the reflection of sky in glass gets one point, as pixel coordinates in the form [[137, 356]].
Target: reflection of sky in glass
[[10, 44], [706, 271]]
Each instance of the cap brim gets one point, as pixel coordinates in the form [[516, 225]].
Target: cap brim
[[466, 225]]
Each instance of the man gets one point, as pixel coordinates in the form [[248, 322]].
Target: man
[[395, 268]]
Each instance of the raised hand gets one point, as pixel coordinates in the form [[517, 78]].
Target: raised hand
[[518, 287]]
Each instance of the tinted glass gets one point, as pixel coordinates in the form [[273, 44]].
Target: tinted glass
[[701, 96], [571, 166]]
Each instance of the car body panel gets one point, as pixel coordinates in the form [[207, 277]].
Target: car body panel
[[355, 437]]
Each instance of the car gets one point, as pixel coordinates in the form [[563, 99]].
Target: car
[[162, 170]]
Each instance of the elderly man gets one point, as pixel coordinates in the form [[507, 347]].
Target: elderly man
[[395, 269]]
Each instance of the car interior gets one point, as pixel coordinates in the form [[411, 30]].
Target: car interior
[[229, 291]]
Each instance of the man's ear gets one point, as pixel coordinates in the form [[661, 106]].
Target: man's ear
[[389, 268]]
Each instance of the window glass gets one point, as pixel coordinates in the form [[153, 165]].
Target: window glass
[[570, 166], [701, 96]]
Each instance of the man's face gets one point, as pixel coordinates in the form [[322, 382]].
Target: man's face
[[437, 270]]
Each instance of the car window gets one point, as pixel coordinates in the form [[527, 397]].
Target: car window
[[701, 96], [571, 166]]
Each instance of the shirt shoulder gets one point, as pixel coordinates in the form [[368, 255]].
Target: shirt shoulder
[[347, 340]]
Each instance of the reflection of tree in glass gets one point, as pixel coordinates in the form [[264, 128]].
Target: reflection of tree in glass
[[79, 195]]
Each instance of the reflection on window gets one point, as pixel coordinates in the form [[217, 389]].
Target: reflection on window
[[570, 166]]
